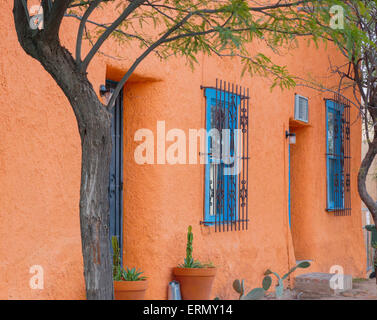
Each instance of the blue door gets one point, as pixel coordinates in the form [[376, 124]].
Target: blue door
[[116, 170]]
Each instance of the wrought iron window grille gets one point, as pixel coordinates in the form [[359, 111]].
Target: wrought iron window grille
[[226, 195], [338, 155]]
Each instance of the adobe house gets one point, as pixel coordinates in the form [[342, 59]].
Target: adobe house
[[290, 202]]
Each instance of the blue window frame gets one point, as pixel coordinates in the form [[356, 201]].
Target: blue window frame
[[335, 155], [221, 190]]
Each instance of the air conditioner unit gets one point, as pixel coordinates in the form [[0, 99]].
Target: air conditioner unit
[[301, 108]]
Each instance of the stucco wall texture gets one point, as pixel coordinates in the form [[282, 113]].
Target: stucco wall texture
[[40, 174]]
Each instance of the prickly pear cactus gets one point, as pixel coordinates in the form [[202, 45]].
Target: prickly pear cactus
[[279, 288], [239, 287], [255, 294], [266, 283]]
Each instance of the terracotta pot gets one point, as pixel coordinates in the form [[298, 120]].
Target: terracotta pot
[[195, 283], [130, 290]]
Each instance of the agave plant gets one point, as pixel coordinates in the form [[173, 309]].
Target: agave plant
[[133, 275]]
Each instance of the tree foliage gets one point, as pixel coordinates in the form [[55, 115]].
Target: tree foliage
[[357, 41], [221, 28]]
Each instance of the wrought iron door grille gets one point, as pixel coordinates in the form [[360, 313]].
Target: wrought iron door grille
[[338, 156], [226, 195]]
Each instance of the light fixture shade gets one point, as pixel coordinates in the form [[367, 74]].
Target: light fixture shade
[[102, 90], [291, 137]]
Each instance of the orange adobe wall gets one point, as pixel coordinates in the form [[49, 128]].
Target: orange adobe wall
[[40, 174]]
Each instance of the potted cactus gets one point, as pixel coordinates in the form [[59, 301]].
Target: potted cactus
[[195, 278], [129, 284]]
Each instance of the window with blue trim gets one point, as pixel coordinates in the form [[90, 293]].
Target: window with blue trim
[[227, 157], [338, 156]]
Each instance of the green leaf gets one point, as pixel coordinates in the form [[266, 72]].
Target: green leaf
[[266, 283], [237, 286], [304, 265]]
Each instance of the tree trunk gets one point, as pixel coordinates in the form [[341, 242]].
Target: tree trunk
[[364, 195], [375, 262], [94, 209], [94, 123], [362, 176]]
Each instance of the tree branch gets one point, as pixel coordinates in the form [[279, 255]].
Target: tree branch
[[21, 22], [80, 32], [81, 4], [279, 5], [54, 19], [104, 26], [132, 7], [122, 82]]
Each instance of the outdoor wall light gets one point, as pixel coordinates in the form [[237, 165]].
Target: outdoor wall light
[[105, 92], [291, 136]]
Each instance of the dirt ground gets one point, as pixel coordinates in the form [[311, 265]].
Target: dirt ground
[[362, 289]]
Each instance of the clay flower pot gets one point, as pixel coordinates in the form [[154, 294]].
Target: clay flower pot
[[130, 290], [196, 283]]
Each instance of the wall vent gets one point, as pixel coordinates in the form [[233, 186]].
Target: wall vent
[[301, 108]]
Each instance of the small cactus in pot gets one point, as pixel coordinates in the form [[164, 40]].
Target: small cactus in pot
[[195, 278]]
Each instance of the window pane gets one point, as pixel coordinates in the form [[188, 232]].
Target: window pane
[[331, 133], [335, 184], [215, 139], [331, 182], [213, 178]]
